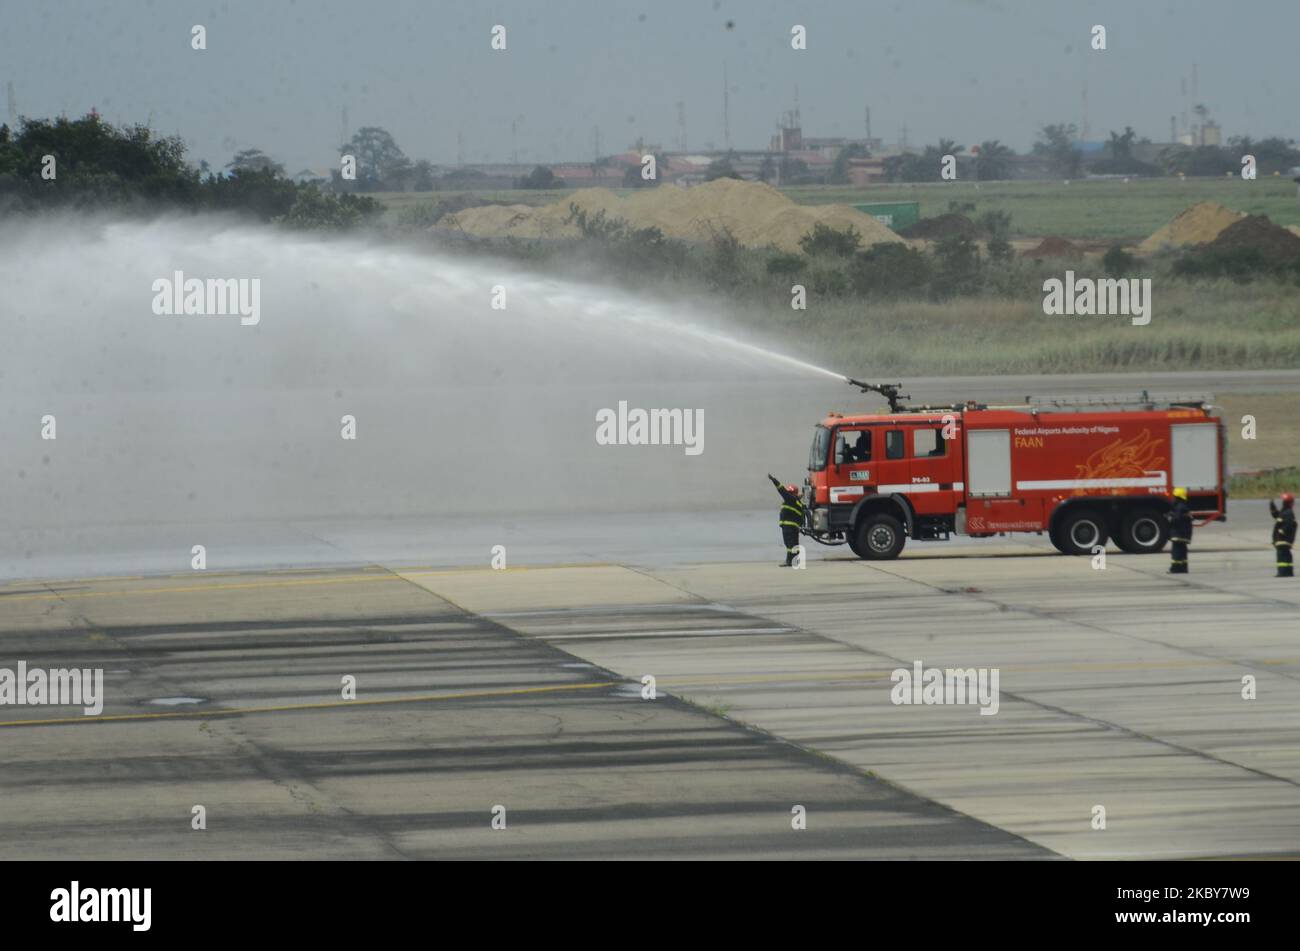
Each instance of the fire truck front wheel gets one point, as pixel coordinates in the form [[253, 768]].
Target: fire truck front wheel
[[1079, 532], [879, 537]]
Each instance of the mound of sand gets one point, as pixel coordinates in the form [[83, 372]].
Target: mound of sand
[[1052, 247], [1275, 244], [756, 214], [1199, 224]]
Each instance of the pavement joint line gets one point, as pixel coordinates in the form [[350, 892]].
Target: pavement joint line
[[1257, 599], [1071, 714], [299, 707], [991, 599], [191, 589]]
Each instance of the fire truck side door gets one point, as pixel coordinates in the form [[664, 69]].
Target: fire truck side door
[[933, 469], [892, 473], [854, 469]]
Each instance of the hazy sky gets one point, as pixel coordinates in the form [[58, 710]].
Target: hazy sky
[[277, 73]]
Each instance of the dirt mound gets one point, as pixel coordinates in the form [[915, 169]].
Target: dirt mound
[[1053, 247], [757, 214], [1276, 244], [951, 225], [1199, 224]]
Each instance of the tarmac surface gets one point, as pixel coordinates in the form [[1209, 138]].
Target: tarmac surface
[[1121, 689]]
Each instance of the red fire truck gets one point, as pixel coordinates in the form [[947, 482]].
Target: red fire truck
[[1083, 471]]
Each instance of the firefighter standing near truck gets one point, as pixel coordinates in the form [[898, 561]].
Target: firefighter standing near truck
[[791, 517], [1284, 533], [1180, 532]]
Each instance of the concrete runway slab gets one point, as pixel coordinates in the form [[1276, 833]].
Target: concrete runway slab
[[1120, 688], [454, 715]]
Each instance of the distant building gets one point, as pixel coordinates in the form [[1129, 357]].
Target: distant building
[[865, 171]]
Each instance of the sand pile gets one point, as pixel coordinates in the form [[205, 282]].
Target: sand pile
[[1053, 247], [757, 214], [1199, 224], [1275, 244]]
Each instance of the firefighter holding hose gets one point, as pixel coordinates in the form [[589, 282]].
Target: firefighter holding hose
[[1284, 533], [1180, 532], [790, 518]]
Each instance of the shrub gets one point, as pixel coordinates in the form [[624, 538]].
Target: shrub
[[824, 239]]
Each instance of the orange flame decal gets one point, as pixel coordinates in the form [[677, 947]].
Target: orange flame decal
[[1122, 459]]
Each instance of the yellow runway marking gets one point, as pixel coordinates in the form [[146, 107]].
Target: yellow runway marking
[[298, 707]]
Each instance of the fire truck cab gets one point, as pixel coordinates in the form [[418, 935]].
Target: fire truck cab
[[1084, 473]]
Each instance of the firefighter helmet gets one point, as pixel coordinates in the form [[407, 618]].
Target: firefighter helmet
[[791, 488], [1180, 493], [1288, 500]]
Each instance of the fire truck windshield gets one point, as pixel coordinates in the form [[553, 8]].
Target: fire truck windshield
[[820, 447]]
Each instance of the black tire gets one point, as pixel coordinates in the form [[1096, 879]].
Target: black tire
[[1080, 531], [1054, 534], [879, 537], [1143, 532]]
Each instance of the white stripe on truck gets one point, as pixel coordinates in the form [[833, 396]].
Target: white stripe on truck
[[1159, 480]]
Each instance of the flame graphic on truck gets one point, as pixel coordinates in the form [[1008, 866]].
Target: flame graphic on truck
[[1122, 459]]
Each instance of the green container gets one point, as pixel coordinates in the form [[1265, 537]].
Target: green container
[[893, 214]]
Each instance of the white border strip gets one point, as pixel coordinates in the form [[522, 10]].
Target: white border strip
[[1137, 482]]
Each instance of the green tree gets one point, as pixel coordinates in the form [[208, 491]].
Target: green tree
[[97, 164], [540, 177], [824, 239], [315, 210], [721, 168], [840, 170], [1056, 142], [259, 192], [889, 270], [379, 159], [252, 160], [993, 161]]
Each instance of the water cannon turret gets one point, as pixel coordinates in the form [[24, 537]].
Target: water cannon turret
[[888, 390]]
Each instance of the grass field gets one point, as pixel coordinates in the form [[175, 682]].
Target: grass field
[[1266, 485], [1081, 210], [1193, 326], [1277, 433]]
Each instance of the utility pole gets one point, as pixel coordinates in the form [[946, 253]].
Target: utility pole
[[726, 111]]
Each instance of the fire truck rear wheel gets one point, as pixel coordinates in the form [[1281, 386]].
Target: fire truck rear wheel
[[879, 538], [1080, 532], [1143, 531]]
